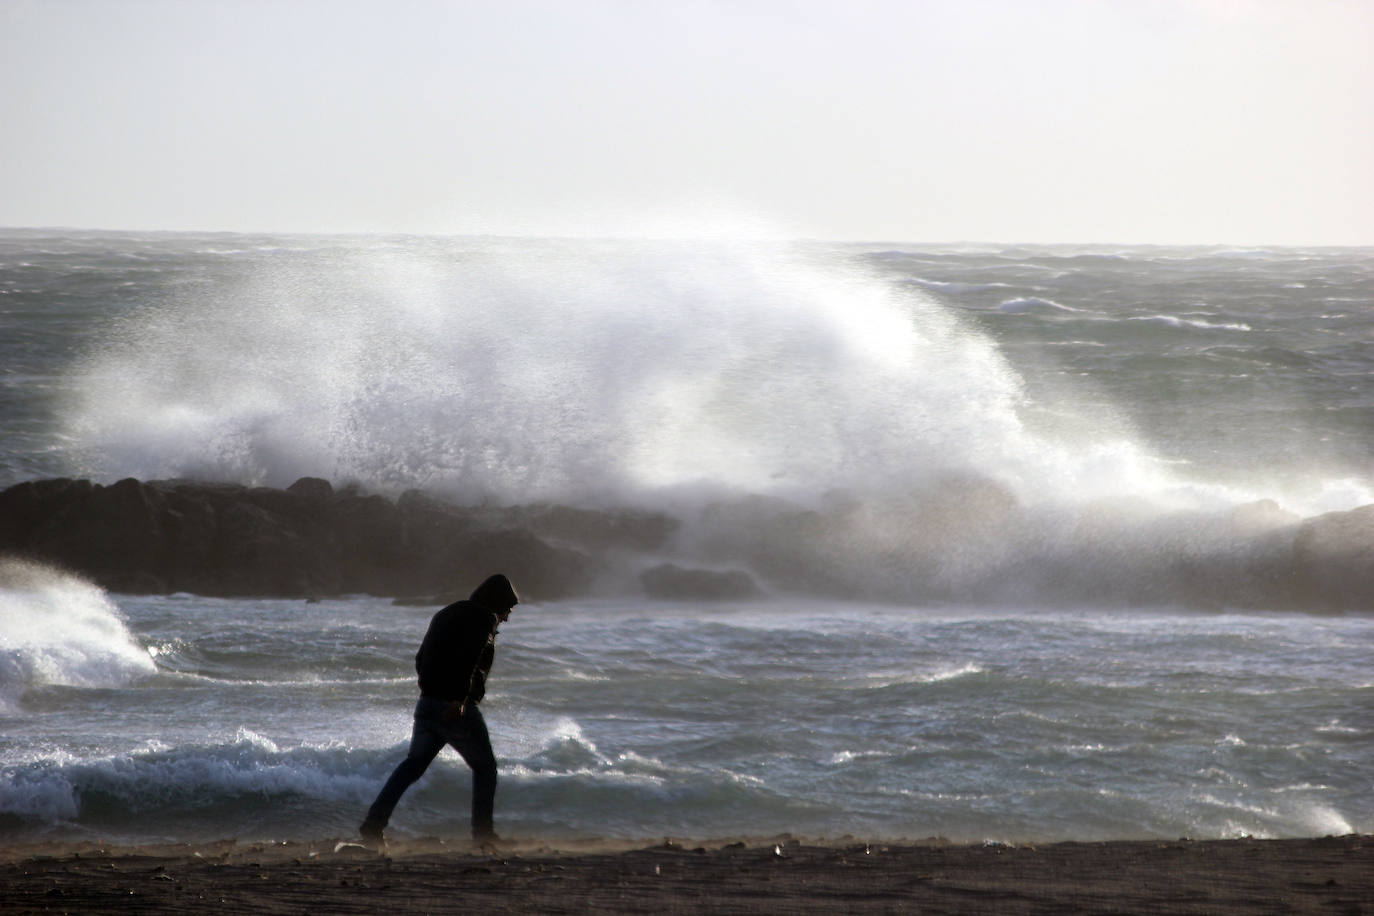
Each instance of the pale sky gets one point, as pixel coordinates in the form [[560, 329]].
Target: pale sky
[[1117, 121]]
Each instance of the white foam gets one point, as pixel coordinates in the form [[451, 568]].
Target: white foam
[[577, 371], [1322, 820], [58, 629], [1033, 304], [922, 677], [41, 794], [1173, 321], [156, 778], [666, 374], [947, 286], [843, 757]]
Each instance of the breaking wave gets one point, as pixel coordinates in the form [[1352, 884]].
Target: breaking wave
[[573, 371], [807, 417], [60, 630]]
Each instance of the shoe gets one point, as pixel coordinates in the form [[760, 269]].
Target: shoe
[[485, 839]]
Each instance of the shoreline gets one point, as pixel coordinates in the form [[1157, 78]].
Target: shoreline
[[1327, 875]]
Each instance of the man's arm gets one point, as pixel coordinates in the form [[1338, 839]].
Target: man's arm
[[477, 684], [473, 653]]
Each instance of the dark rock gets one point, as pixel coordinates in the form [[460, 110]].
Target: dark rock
[[372, 555], [315, 489], [790, 547], [25, 505], [134, 582], [191, 525], [671, 582], [1333, 561], [956, 539], [939, 541], [175, 536], [304, 541], [431, 531], [260, 552], [282, 503], [110, 533], [539, 571]]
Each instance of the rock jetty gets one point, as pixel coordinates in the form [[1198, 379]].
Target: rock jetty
[[308, 539], [958, 540]]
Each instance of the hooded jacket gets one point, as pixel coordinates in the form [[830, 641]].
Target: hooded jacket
[[456, 654]]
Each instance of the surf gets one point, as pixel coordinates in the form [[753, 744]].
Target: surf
[[580, 372], [59, 630], [807, 417]]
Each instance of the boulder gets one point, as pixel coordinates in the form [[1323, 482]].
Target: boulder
[[113, 534], [372, 555], [540, 571], [1333, 562], [313, 489], [24, 506], [260, 552]]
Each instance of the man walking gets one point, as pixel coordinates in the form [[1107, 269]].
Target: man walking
[[453, 663]]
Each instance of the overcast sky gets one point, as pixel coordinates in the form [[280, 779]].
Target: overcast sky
[[1191, 121]]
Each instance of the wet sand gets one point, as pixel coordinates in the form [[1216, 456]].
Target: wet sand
[[1333, 875]]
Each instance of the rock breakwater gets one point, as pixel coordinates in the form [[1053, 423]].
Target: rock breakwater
[[308, 539], [960, 541]]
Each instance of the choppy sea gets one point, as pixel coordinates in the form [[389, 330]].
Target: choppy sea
[[1154, 380]]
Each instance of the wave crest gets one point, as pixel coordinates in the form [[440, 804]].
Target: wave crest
[[61, 630]]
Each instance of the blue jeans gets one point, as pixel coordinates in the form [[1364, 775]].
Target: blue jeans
[[468, 736]]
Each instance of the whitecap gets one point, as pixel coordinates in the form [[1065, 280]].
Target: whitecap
[[1033, 304], [1173, 321], [880, 680], [58, 629], [590, 773], [847, 756], [947, 286], [255, 740], [1322, 820]]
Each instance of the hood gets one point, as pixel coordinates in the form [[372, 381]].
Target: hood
[[496, 593]]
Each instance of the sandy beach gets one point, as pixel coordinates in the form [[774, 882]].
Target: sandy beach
[[1332, 875]]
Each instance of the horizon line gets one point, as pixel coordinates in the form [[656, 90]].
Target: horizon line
[[628, 237]]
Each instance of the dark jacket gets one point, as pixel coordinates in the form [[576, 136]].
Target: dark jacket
[[456, 654]]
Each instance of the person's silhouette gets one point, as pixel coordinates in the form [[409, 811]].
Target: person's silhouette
[[453, 663]]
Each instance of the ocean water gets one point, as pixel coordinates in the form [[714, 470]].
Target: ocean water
[[1158, 387], [185, 719]]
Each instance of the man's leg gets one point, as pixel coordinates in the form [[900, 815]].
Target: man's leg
[[425, 743], [470, 739]]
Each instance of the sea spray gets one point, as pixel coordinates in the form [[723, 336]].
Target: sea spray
[[57, 629], [583, 372], [954, 424]]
